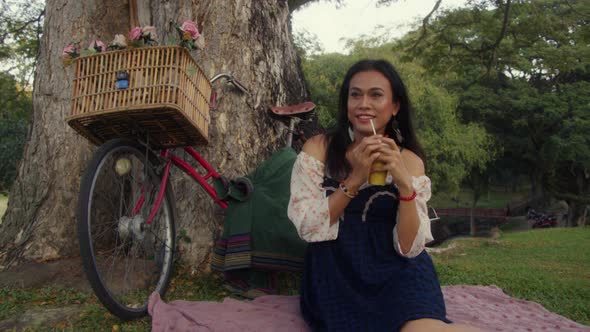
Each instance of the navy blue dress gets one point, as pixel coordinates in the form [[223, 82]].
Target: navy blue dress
[[358, 282]]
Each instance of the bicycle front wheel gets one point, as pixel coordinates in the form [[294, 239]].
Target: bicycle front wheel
[[124, 258]]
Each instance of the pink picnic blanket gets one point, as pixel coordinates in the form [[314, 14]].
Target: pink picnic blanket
[[487, 307]]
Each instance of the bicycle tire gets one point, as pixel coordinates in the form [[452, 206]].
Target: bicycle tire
[[115, 243]]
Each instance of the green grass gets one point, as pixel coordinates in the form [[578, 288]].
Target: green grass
[[95, 317], [15, 301], [3, 204], [548, 266]]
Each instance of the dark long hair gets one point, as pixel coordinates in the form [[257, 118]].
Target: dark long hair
[[338, 138]]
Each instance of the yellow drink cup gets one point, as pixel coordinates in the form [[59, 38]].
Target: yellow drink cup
[[377, 178]]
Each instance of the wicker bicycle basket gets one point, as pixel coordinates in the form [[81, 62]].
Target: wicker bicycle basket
[[167, 98]]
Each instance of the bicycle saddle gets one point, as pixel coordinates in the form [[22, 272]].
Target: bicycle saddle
[[299, 110]]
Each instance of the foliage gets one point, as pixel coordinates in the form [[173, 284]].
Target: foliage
[[546, 266], [452, 148], [323, 74], [20, 31], [307, 44], [520, 72], [3, 206], [15, 107], [296, 4]]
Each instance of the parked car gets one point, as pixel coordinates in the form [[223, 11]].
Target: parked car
[[541, 220]]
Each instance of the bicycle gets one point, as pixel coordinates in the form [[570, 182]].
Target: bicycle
[[126, 214]]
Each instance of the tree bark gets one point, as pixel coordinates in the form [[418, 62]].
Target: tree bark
[[472, 221], [539, 196], [251, 38], [575, 190], [576, 214]]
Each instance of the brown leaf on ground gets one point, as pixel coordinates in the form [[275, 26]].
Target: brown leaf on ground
[[61, 325]]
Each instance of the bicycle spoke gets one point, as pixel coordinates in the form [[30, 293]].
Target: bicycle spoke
[[158, 238], [115, 255], [130, 259]]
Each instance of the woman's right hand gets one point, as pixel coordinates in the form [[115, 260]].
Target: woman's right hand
[[361, 157]]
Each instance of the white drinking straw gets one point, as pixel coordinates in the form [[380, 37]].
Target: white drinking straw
[[373, 126]]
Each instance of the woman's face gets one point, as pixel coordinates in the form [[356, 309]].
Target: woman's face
[[370, 98]]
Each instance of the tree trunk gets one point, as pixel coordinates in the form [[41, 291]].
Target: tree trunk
[[539, 197], [479, 184], [576, 214], [472, 225], [251, 38]]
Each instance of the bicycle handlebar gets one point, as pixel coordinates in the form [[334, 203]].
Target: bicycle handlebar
[[232, 80]]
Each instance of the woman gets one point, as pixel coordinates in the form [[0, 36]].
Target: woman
[[365, 265]]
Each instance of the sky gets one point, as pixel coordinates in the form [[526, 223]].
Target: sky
[[358, 17]]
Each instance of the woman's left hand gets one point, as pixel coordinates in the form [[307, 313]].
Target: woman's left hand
[[393, 161]]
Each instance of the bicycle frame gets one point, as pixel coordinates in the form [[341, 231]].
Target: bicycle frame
[[188, 169], [202, 180]]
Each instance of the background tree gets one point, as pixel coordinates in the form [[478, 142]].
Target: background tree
[[512, 65], [20, 31], [20, 27], [324, 74], [570, 176], [254, 42], [307, 44], [15, 106]]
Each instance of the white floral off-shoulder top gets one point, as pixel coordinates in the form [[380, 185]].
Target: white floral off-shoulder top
[[309, 211]]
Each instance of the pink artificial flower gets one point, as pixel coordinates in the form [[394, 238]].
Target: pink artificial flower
[[97, 45], [149, 30], [135, 33], [191, 27], [68, 51]]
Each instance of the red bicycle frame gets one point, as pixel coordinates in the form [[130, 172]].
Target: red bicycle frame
[[188, 169], [202, 180]]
